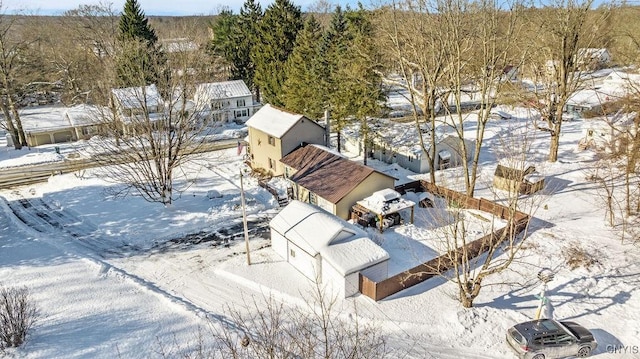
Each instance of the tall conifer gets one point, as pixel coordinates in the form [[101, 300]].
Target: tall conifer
[[303, 91], [278, 30]]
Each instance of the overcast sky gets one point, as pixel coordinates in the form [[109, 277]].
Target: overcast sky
[[150, 7]]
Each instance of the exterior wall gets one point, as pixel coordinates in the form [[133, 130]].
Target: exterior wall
[[374, 182], [326, 205], [231, 109], [262, 151], [334, 281], [279, 244], [55, 136], [309, 266], [303, 131]]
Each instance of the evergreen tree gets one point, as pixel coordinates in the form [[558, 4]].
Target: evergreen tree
[[303, 90], [248, 32], [224, 39], [358, 91], [141, 61], [277, 35], [135, 26]]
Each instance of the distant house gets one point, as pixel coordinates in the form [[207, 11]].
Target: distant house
[[592, 58], [608, 133], [325, 248], [56, 124], [332, 182], [226, 101], [399, 143], [274, 133], [134, 101], [600, 98]]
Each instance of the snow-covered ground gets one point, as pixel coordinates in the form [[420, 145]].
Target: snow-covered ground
[[112, 279]]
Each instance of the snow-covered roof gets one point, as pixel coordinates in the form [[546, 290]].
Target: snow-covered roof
[[134, 97], [222, 90], [48, 118], [273, 121], [386, 201], [178, 45], [346, 247]]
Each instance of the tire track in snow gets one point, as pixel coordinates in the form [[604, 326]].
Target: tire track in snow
[[72, 248]]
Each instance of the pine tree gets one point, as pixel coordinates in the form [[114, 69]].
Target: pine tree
[[303, 90], [277, 35], [224, 41], [248, 32], [358, 85], [141, 61], [135, 26]]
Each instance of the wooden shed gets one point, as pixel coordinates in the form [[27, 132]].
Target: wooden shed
[[516, 180]]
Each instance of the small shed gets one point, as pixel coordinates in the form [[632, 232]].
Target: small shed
[[514, 179], [382, 208], [325, 248]]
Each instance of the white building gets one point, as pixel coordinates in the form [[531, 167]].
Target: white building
[[226, 101], [326, 249]]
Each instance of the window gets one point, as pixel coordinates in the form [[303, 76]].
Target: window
[[313, 198], [287, 172], [272, 141], [240, 103], [272, 163], [292, 253], [241, 113]]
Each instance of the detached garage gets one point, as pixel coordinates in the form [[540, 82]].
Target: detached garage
[[325, 248]]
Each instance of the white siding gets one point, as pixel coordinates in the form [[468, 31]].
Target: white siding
[[351, 285], [332, 280], [279, 244], [304, 262], [326, 205]]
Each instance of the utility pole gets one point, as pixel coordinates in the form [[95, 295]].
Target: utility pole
[[244, 219]]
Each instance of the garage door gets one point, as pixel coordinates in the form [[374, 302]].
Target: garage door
[[62, 136], [43, 139]]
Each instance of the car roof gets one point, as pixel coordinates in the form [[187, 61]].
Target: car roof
[[531, 328]]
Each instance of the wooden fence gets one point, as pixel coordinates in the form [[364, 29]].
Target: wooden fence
[[439, 265]]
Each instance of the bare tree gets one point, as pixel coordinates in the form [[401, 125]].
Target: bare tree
[[19, 70], [81, 45], [473, 261], [565, 29], [410, 33], [268, 329], [146, 137]]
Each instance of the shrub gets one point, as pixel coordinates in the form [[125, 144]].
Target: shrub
[[17, 316]]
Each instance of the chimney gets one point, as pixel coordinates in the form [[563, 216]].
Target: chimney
[[327, 129]]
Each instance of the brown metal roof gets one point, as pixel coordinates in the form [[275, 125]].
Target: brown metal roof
[[326, 174]]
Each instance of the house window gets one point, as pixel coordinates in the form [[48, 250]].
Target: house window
[[287, 172], [272, 163], [240, 103], [292, 253], [313, 198], [241, 113], [272, 141]]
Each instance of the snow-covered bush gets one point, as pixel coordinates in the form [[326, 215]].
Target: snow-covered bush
[[18, 314]]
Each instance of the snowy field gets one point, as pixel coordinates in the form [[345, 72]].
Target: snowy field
[[112, 279]]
